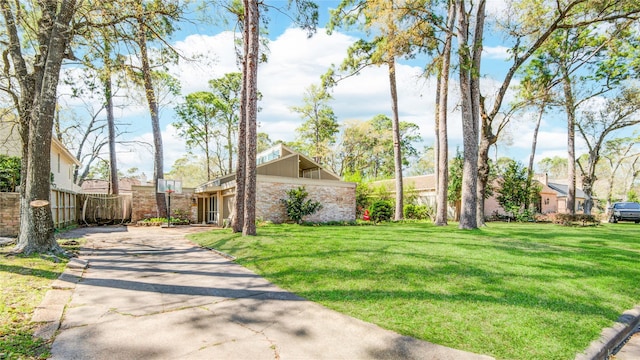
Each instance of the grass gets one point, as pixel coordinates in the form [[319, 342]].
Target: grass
[[512, 291], [25, 280]]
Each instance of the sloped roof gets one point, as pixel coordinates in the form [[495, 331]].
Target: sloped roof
[[563, 190], [419, 183], [63, 149], [270, 157]]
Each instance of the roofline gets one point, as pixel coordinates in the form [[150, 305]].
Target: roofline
[[65, 150], [283, 146]]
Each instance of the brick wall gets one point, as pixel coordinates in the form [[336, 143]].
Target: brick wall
[[338, 199], [9, 214], [143, 202]]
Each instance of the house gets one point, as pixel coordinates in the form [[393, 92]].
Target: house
[[562, 191], [63, 163], [279, 169], [553, 195], [63, 190], [100, 186]]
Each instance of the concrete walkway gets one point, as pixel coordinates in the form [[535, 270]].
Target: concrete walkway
[[147, 293]]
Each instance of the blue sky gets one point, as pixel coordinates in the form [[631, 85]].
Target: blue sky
[[295, 62]]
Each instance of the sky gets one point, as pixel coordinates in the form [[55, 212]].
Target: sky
[[294, 63]]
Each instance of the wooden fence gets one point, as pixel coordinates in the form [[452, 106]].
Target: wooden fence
[[63, 207]]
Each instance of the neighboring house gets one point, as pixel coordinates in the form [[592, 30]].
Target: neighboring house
[[63, 190], [63, 163], [99, 186], [279, 169], [553, 195], [422, 186], [562, 191]]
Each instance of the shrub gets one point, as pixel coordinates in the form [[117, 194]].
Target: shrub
[[9, 173], [296, 205], [381, 210], [580, 219], [182, 215], [416, 212]]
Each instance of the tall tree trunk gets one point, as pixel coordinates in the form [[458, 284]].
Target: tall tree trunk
[[252, 32], [589, 175], [36, 108], [587, 187], [113, 164], [397, 150], [230, 149], [436, 143], [237, 220], [482, 160], [570, 109], [468, 218], [442, 153], [532, 156], [152, 102], [207, 151], [534, 142]]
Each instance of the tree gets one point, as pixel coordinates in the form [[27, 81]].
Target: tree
[[49, 25], [442, 106], [250, 110], [197, 123], [319, 130], [555, 167], [604, 67], [469, 62], [530, 24], [616, 152], [243, 217], [151, 21], [515, 191], [298, 206], [100, 170], [190, 170], [425, 163], [264, 142], [367, 147], [392, 38], [454, 191], [227, 89], [598, 125]]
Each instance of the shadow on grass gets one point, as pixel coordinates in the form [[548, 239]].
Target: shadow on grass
[[21, 270]]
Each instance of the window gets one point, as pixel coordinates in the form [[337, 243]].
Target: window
[[58, 163], [268, 157]]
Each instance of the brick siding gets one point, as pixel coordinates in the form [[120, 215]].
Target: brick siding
[[338, 199], [9, 214], [143, 203]]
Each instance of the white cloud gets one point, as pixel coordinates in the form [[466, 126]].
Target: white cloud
[[496, 52], [294, 63]]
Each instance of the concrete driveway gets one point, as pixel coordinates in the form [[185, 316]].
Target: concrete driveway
[[148, 293]]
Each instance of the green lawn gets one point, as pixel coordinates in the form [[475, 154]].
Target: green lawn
[[24, 281], [512, 291]]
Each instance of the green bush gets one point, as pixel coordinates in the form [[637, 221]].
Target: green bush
[[9, 173], [296, 205], [416, 212], [381, 210]]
